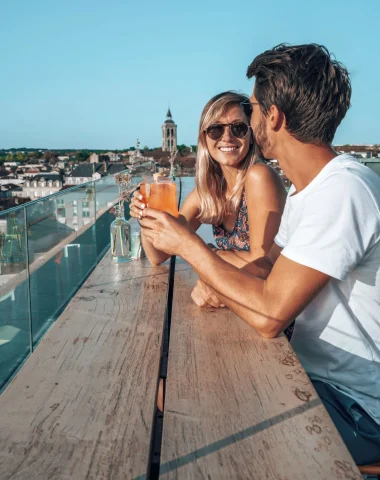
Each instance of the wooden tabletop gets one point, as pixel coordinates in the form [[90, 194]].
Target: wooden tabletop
[[82, 406], [240, 406]]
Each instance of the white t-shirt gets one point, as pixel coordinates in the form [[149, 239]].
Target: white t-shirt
[[333, 226]]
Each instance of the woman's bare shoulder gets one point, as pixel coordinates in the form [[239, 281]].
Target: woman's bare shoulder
[[262, 174], [193, 197]]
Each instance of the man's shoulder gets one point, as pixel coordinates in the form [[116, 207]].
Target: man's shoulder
[[348, 168], [349, 179]]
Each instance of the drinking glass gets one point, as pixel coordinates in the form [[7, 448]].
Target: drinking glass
[[163, 196], [145, 188]]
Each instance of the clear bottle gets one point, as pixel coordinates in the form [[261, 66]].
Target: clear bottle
[[120, 237], [136, 246]]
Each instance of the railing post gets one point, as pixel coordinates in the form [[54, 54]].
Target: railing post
[[31, 346], [95, 218]]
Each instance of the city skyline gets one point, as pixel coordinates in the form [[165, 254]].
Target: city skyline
[[83, 75]]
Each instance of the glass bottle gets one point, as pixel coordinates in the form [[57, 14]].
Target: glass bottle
[[120, 237], [136, 245]]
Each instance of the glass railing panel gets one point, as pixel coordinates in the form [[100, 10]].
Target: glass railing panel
[[106, 193], [15, 342], [47, 250], [62, 252]]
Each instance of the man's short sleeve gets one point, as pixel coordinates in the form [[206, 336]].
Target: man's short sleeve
[[338, 223]]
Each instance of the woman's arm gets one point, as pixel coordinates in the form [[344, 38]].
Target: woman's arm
[[189, 210], [266, 196]]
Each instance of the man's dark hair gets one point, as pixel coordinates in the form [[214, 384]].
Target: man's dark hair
[[310, 87]]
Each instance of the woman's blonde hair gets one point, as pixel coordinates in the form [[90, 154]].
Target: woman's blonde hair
[[210, 182]]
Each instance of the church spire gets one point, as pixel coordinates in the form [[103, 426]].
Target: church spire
[[169, 134]]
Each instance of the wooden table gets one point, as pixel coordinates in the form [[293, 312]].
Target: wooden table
[[82, 406], [240, 406], [237, 406]]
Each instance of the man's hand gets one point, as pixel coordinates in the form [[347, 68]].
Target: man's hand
[[167, 233], [205, 296]]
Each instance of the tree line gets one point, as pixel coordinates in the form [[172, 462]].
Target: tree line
[[26, 155]]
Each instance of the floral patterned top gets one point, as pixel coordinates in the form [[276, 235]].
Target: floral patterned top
[[238, 239]]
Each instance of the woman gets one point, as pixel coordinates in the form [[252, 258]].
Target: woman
[[242, 199]]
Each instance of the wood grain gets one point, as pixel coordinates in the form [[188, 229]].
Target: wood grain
[[240, 406], [82, 406]]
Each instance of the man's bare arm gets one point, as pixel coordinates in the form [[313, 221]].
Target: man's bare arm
[[270, 304], [204, 296], [267, 305]]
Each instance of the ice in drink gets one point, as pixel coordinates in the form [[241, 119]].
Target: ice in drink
[[143, 190]]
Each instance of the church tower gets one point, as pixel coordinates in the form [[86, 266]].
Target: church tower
[[169, 134]]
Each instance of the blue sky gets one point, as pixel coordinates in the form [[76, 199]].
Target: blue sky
[[98, 74]]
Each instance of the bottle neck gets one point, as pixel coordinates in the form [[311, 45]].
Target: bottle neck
[[119, 210]]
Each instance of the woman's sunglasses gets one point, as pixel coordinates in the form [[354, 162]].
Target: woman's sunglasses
[[216, 131]]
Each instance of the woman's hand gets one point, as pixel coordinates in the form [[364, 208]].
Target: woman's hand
[[168, 234], [204, 296], [136, 207]]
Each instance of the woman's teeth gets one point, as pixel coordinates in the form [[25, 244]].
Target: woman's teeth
[[228, 149]]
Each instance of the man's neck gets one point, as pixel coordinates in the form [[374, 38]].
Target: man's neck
[[302, 162]]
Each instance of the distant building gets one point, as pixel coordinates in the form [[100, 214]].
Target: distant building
[[31, 166], [62, 164], [169, 134], [96, 158], [113, 157], [31, 172], [15, 181], [10, 190], [41, 186], [92, 171], [84, 172]]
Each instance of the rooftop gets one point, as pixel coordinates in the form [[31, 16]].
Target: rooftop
[[86, 170], [84, 403]]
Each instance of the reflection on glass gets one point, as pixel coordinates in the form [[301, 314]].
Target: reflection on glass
[[106, 193], [47, 249], [14, 302], [62, 236]]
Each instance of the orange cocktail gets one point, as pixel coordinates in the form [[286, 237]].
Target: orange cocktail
[[163, 196], [145, 188]]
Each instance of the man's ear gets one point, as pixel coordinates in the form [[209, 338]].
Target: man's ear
[[276, 118]]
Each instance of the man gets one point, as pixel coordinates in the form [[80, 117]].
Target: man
[[324, 267]]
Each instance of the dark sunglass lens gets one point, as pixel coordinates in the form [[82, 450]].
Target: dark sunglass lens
[[239, 129], [215, 131]]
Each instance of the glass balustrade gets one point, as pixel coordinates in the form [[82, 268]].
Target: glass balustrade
[[48, 248]]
